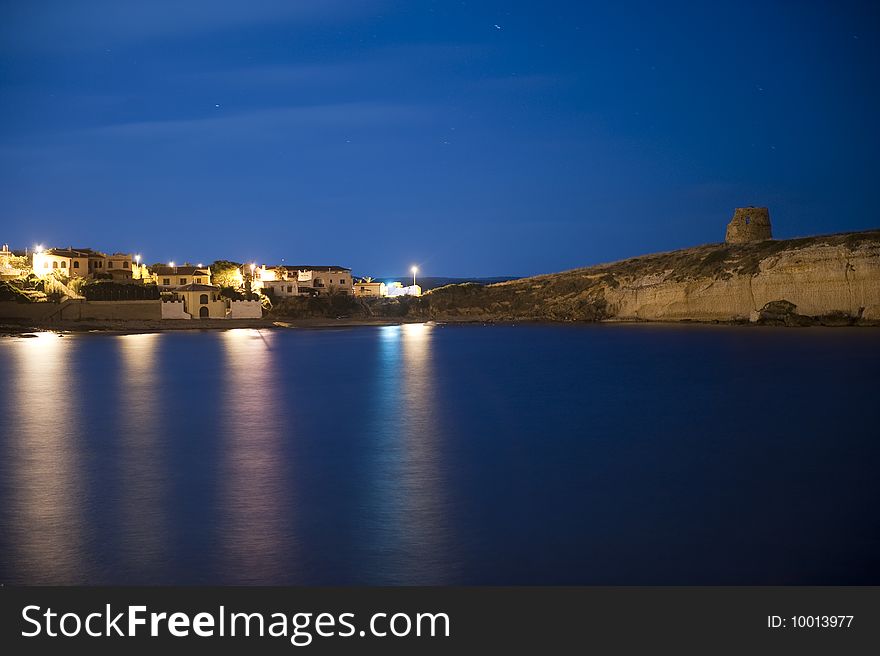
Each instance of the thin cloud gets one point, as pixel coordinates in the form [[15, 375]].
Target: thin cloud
[[386, 61], [270, 121], [91, 24]]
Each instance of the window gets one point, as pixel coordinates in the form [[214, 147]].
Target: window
[[203, 299], [110, 264], [76, 265], [46, 265], [342, 281], [183, 281], [199, 280], [54, 265], [63, 264], [290, 289], [124, 264], [166, 281]]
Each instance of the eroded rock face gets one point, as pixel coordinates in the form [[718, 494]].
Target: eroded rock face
[[749, 224], [833, 279], [819, 280]]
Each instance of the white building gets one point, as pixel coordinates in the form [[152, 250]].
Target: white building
[[397, 289], [281, 288]]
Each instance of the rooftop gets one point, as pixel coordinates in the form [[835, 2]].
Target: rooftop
[[74, 252], [180, 270], [313, 267]]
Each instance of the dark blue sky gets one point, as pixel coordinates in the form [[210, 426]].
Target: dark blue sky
[[377, 134]]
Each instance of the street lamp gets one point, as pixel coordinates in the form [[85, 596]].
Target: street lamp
[[414, 271], [171, 264], [137, 261]]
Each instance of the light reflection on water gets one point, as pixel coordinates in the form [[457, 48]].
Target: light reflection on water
[[410, 538], [418, 454], [143, 462], [255, 508], [45, 495]]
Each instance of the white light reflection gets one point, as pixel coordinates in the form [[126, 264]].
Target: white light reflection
[[45, 527], [410, 540], [142, 462], [254, 530]]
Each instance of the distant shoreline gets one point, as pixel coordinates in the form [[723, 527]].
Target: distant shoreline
[[171, 325], [161, 326], [826, 280]]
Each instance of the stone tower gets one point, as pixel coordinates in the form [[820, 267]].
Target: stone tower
[[749, 224]]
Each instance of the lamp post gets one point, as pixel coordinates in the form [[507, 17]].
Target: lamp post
[[414, 271], [137, 260]]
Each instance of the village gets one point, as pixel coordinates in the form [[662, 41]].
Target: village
[[85, 283]]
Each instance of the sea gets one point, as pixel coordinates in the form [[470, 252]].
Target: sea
[[432, 454]]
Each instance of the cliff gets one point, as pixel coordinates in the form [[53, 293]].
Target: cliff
[[831, 279]]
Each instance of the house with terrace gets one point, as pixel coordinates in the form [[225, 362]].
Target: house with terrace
[[321, 280], [172, 277], [85, 263], [300, 280]]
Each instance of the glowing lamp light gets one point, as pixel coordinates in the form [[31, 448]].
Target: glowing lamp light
[[38, 248], [414, 270], [171, 264], [137, 259]]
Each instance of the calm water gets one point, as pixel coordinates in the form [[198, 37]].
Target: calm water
[[443, 455]]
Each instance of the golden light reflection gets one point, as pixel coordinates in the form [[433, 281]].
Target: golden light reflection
[[143, 464], [256, 545], [413, 541], [46, 496]]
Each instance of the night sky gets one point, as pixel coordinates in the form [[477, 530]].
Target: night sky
[[472, 138]]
